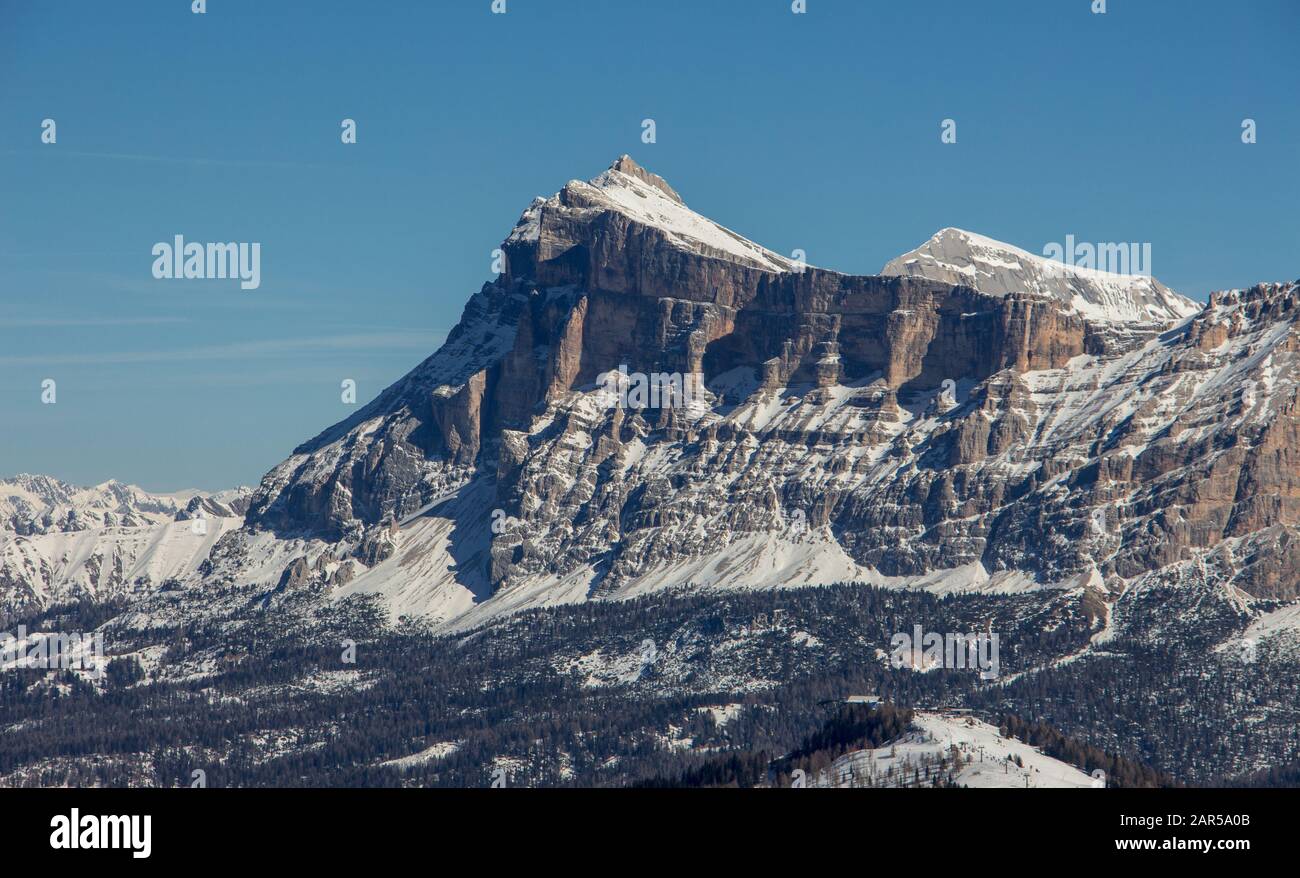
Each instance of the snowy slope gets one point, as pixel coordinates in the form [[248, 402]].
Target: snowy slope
[[1286, 619], [987, 759], [101, 563], [437, 570], [960, 257]]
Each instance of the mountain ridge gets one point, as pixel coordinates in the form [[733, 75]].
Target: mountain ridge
[[957, 256]]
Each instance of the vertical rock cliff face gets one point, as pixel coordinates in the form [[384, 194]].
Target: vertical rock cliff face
[[611, 273], [852, 427]]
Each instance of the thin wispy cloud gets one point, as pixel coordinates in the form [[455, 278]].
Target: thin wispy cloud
[[192, 161], [288, 293], [61, 322], [262, 349]]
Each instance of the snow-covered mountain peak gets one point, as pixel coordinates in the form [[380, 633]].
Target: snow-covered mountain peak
[[957, 256], [629, 189], [626, 166]]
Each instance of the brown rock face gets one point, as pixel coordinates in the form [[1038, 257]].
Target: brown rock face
[[592, 289], [457, 415]]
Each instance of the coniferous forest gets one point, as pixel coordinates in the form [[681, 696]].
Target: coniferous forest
[[683, 688]]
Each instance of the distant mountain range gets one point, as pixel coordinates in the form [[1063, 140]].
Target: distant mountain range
[[62, 543]]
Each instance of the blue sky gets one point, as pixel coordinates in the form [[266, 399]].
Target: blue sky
[[816, 131]]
